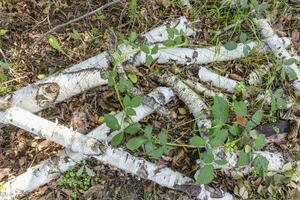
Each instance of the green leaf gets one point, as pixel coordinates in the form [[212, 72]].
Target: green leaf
[[4, 65], [168, 43], [243, 37], [41, 76], [257, 117], [219, 137], [132, 37], [279, 93], [74, 35], [132, 77], [136, 101], [126, 101], [111, 122], [154, 50], [260, 142], [2, 76], [197, 141], [157, 153], [281, 103], [144, 48], [163, 138], [235, 130], [205, 175], [231, 45], [221, 162], [135, 143], [117, 139], [260, 165], [149, 60], [3, 32], [220, 110], [133, 128], [80, 171], [178, 40], [130, 112], [171, 32], [290, 61], [124, 85], [148, 131], [149, 147], [240, 108], [54, 43], [291, 74], [207, 156], [244, 159], [246, 50], [255, 120]]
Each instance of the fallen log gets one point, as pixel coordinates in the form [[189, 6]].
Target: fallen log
[[118, 158], [81, 77]]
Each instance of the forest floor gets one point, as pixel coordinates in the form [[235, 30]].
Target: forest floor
[[28, 62]]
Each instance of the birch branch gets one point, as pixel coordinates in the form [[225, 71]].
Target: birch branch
[[190, 56], [277, 48], [81, 77], [217, 80], [193, 101], [276, 160], [114, 157], [199, 88]]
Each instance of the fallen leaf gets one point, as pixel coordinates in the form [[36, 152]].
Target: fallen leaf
[[43, 145], [182, 111], [241, 120]]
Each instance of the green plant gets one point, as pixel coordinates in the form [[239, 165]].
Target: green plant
[[77, 179], [123, 86], [4, 66], [54, 43], [132, 12]]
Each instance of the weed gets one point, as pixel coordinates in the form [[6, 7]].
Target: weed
[[78, 179]]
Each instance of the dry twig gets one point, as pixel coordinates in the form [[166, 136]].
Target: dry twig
[[76, 20]]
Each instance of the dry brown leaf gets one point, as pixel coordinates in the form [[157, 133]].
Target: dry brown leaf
[[44, 144], [241, 120]]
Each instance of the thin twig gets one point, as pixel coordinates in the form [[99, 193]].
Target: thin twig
[[75, 20], [3, 55]]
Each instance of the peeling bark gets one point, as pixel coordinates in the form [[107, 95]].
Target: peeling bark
[[193, 101], [199, 88], [65, 159], [273, 41]]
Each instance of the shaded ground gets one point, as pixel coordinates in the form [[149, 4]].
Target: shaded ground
[[27, 20]]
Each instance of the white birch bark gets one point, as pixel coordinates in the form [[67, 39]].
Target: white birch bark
[[193, 101], [273, 41], [276, 160], [52, 168], [49, 130], [81, 77], [88, 74], [190, 56], [217, 80], [199, 88]]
